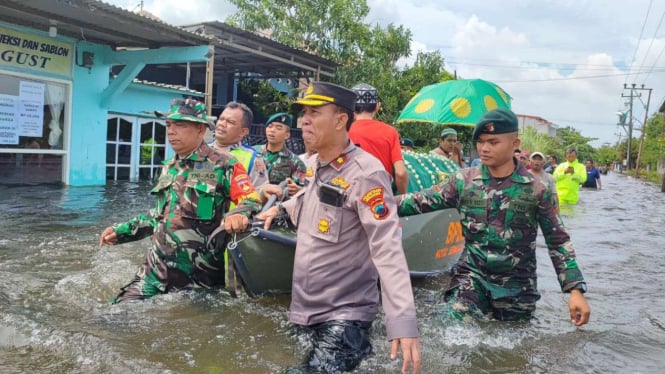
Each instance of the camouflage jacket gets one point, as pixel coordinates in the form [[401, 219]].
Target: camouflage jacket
[[193, 195], [283, 164], [500, 221]]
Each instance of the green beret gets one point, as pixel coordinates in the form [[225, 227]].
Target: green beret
[[448, 131], [498, 121], [284, 118]]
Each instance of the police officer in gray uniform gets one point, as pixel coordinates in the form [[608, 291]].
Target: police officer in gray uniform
[[348, 238]]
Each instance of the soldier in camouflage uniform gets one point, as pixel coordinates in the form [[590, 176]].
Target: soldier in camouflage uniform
[[193, 195], [282, 164], [502, 205]]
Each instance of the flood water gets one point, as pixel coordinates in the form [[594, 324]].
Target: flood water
[[55, 284]]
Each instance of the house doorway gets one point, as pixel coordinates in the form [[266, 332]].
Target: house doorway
[[135, 147]]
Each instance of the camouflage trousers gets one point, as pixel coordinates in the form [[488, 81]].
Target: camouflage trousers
[[337, 346], [186, 269], [471, 296]]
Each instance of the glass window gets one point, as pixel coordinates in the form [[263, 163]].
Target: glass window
[[33, 118], [135, 147], [32, 113]]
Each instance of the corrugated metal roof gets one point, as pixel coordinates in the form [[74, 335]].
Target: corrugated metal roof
[[175, 87], [237, 50], [97, 22]]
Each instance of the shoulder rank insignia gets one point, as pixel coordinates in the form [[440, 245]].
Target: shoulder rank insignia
[[339, 161]]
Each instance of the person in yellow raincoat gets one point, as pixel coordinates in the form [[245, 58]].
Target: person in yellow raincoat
[[569, 176]]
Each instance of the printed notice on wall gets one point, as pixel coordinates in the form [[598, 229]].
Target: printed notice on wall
[[31, 109], [8, 119]]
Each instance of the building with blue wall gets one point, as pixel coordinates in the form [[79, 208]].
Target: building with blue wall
[[59, 97], [79, 83]]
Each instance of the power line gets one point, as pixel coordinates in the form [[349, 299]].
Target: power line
[[568, 78], [654, 37], [478, 60], [654, 64], [643, 70], [639, 41], [581, 122]]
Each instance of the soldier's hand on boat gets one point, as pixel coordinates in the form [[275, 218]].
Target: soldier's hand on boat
[[269, 190], [579, 308], [108, 237], [410, 353], [268, 216], [292, 186], [235, 223]]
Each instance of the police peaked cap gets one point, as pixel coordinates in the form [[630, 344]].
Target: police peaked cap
[[322, 93]]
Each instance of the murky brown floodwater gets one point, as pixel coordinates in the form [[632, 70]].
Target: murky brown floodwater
[[55, 284]]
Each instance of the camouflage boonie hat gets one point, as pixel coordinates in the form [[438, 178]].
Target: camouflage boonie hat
[[189, 110]]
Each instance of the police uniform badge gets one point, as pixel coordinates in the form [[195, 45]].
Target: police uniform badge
[[375, 201], [340, 182], [324, 226]]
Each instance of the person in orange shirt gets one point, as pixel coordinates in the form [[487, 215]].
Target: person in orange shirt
[[378, 138]]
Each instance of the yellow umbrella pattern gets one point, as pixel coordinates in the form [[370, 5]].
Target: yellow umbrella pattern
[[455, 102]]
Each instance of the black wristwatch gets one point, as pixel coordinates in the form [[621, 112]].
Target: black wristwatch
[[580, 287]]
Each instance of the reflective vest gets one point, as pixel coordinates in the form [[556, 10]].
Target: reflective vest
[[246, 158]]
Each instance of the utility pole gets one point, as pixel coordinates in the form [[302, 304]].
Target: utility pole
[[630, 121], [644, 130]]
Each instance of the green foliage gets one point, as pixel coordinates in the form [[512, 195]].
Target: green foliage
[[426, 136], [622, 150], [332, 29], [376, 65], [606, 155], [336, 30], [262, 98], [533, 141], [653, 149], [568, 137]]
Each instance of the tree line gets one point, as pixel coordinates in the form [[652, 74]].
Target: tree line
[[370, 53]]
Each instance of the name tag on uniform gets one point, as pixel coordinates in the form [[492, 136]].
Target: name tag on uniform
[[203, 175]]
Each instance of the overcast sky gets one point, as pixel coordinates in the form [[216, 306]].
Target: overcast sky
[[563, 60]]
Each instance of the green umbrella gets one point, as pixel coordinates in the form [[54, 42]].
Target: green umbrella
[[454, 102]]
